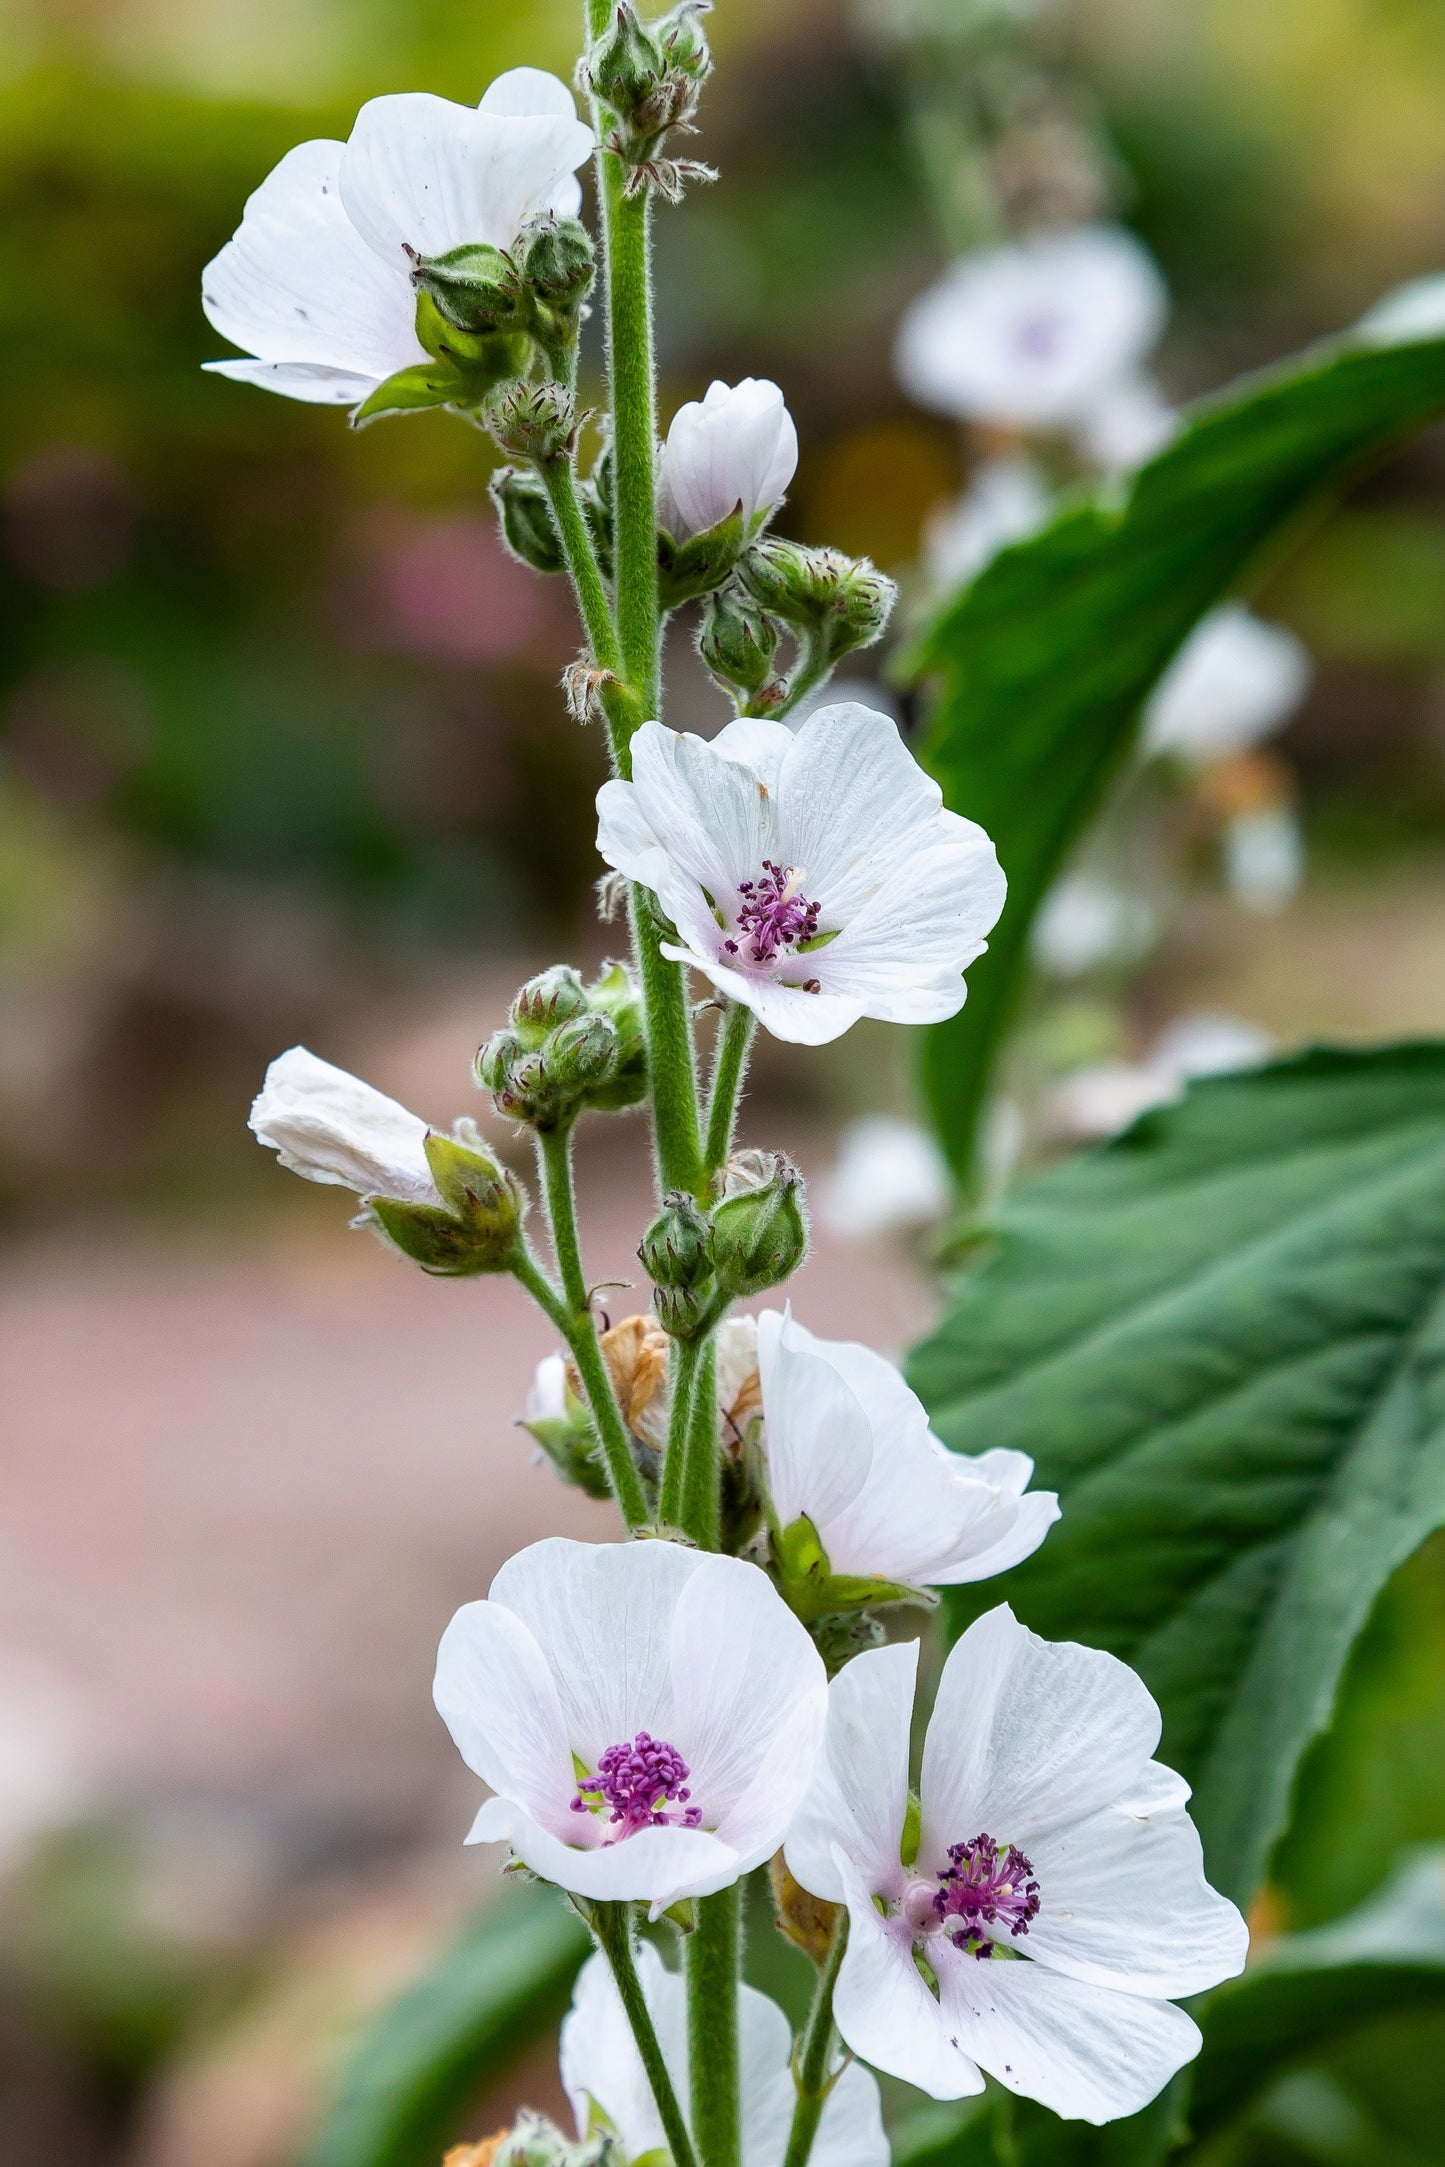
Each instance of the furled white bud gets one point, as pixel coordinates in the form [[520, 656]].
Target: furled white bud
[[738, 446], [327, 1125]]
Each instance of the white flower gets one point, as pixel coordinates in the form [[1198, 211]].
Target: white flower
[[1033, 334], [647, 1715], [1233, 681], [1264, 858], [1084, 922], [1128, 423], [1412, 312], [848, 1445], [889, 1174], [547, 1394], [316, 283], [603, 2076], [1006, 500], [1104, 1099], [738, 446], [814, 875], [329, 1126], [1050, 1840]]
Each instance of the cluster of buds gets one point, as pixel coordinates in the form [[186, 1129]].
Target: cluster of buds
[[482, 311], [475, 1226], [648, 78], [567, 1045], [832, 604], [754, 1238]]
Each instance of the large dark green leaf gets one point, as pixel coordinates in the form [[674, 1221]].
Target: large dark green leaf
[[447, 2036], [1044, 662], [1222, 1339]]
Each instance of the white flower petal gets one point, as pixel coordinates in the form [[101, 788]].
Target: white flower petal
[[656, 1867], [1031, 1523], [1090, 2055], [1126, 1905], [858, 1799], [527, 94], [305, 380], [298, 285], [495, 1694], [737, 447], [602, 1614], [1027, 1736], [331, 1127], [851, 2132], [598, 2057], [883, 2009], [1234, 681], [819, 1441], [421, 172]]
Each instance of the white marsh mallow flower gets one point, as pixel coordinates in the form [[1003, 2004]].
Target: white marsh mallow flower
[[603, 2076], [813, 874], [735, 449], [329, 1126], [1033, 335], [890, 1176], [1234, 681], [316, 284], [647, 1715], [1056, 1897], [847, 1446]]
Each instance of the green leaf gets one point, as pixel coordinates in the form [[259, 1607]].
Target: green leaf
[[427, 2055], [1043, 663], [1010, 2132], [1223, 1341], [410, 391]]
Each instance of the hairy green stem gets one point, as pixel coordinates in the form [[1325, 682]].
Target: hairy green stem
[[812, 668], [682, 1384], [634, 433], [815, 2050], [730, 1059], [593, 606], [612, 1926], [714, 1962], [700, 1511], [571, 1313], [671, 1061]]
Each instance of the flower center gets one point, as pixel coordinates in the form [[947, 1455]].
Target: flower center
[[645, 1784], [981, 1887], [1040, 337], [772, 914]]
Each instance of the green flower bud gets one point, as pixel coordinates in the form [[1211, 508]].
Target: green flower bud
[[475, 1227], [554, 996], [496, 1058], [737, 640], [532, 421], [674, 1250], [683, 1312], [582, 1053], [625, 65], [759, 1233], [559, 263], [683, 40], [613, 995], [549, 1081], [843, 601], [475, 288], [525, 516]]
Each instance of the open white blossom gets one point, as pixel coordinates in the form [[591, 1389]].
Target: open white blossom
[[1033, 335], [814, 875], [327, 1125], [1232, 683], [316, 283], [889, 1175], [847, 1445], [1051, 1842], [735, 448], [603, 2076], [1085, 922], [647, 1715], [1104, 1098], [1006, 500]]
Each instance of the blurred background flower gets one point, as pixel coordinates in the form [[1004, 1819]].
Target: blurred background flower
[[283, 758]]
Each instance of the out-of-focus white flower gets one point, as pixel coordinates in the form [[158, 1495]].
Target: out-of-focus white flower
[[316, 283], [814, 875], [848, 1447], [737, 446], [889, 1175], [49, 1766], [1033, 334], [1264, 858], [647, 1716], [1084, 922], [1103, 1100], [1049, 1833], [329, 1126], [1412, 312], [603, 2076], [1129, 422], [547, 1393], [1232, 683], [1006, 500]]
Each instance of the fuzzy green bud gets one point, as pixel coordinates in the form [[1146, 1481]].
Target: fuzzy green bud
[[532, 421], [547, 1082], [674, 1252], [844, 602], [737, 640], [559, 263], [683, 1312], [625, 65], [554, 996], [525, 518], [476, 1225], [759, 1233], [612, 994], [475, 288]]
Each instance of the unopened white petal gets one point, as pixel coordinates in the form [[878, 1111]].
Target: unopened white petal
[[329, 1126], [737, 447]]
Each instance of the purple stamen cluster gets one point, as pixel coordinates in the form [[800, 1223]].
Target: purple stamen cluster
[[640, 1781], [772, 913], [978, 1889]]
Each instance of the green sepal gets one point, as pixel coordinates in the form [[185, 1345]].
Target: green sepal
[[433, 1239], [410, 391], [683, 1915], [810, 1587], [695, 567], [612, 994], [474, 289], [912, 1835]]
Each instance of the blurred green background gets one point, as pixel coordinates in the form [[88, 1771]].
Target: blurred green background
[[282, 756]]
